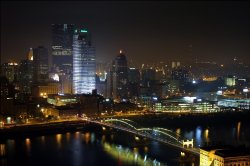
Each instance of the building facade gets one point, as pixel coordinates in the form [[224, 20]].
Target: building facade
[[224, 156], [40, 64], [118, 78], [10, 71], [62, 38], [26, 75], [84, 63]]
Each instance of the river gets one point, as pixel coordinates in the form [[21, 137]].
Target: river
[[115, 148]]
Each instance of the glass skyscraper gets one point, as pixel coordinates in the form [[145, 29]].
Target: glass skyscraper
[[84, 63], [62, 37]]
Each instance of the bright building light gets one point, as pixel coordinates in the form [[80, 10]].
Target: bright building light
[[245, 90], [189, 99], [219, 92], [55, 77], [155, 98]]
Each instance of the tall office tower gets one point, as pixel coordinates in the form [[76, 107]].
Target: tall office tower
[[120, 77], [10, 71], [30, 54], [26, 75], [110, 80], [40, 64], [62, 37], [84, 63], [134, 82], [134, 75]]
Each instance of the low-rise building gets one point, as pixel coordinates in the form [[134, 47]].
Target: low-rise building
[[224, 156]]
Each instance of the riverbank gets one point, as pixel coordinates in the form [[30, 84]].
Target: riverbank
[[190, 119], [43, 129], [147, 120]]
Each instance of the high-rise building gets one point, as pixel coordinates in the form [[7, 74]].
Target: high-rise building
[[10, 71], [7, 94], [120, 77], [30, 55], [84, 63], [40, 64], [134, 75], [26, 75], [148, 76], [134, 82], [62, 38]]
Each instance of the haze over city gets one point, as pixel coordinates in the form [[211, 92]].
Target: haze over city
[[181, 31]]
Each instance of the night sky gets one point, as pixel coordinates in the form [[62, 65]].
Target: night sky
[[147, 31]]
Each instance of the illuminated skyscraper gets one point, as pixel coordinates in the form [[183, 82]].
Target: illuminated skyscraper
[[62, 37], [30, 54], [84, 63]]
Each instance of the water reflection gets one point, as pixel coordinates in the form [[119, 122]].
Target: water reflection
[[92, 138], [198, 135], [112, 136], [28, 144], [67, 136], [59, 139], [77, 135], [10, 143], [2, 150], [103, 138], [178, 132], [238, 130], [206, 135], [77, 149], [189, 134], [43, 139], [87, 137], [128, 157]]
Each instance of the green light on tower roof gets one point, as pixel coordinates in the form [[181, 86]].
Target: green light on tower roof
[[83, 30]]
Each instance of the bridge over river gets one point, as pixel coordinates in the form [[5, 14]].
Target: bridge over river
[[162, 135]]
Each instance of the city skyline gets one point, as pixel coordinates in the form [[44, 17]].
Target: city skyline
[[170, 31], [125, 83]]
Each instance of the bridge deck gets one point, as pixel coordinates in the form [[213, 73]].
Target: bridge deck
[[195, 151]]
